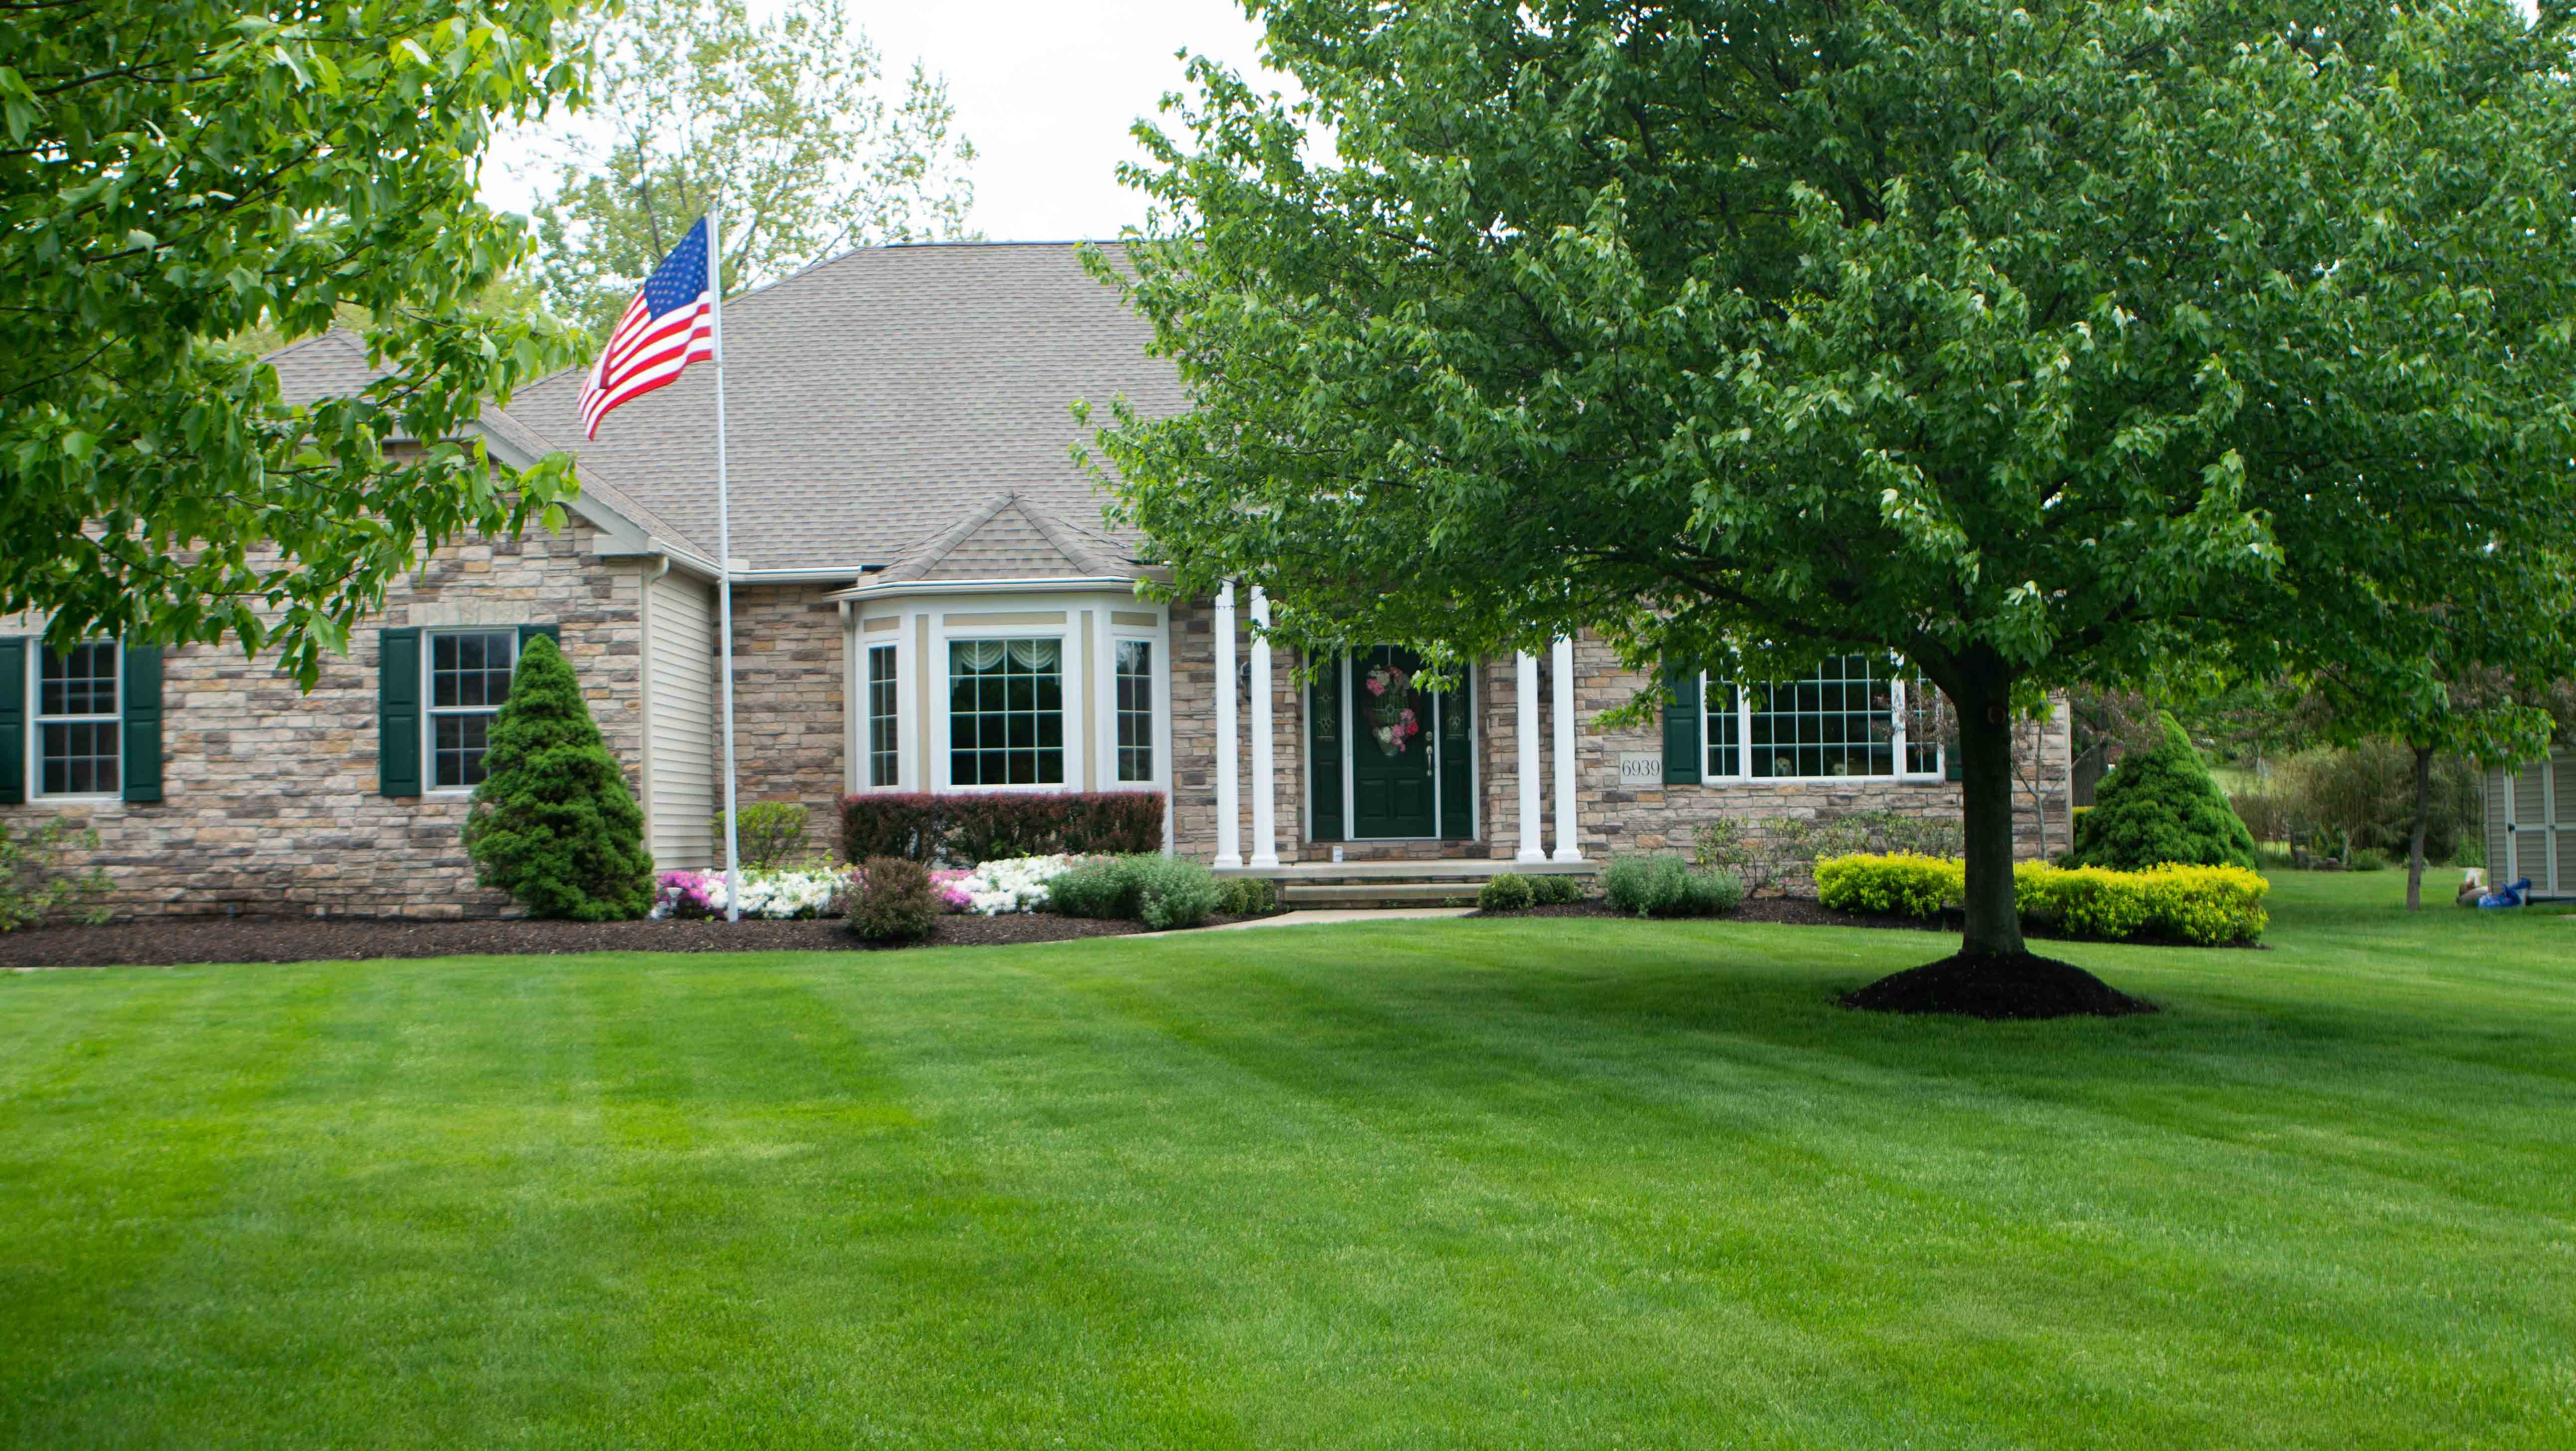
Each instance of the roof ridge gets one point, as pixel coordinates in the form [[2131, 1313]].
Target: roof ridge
[[1070, 542], [324, 336], [939, 546]]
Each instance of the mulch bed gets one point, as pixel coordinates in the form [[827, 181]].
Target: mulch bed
[[158, 941], [1807, 912], [1996, 986]]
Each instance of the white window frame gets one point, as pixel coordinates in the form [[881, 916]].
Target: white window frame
[[1067, 722], [1900, 678], [38, 719], [430, 710], [868, 753], [1156, 670]]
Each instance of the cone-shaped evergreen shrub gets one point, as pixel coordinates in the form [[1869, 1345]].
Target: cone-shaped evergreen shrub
[[2162, 807], [553, 823]]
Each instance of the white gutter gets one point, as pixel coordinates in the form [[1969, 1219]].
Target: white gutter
[[1060, 584]]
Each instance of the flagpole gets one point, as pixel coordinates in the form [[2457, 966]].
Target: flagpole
[[724, 551]]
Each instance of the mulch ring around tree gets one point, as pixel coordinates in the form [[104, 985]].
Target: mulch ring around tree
[[1997, 986], [165, 941]]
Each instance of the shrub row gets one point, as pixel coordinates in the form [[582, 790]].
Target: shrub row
[[2202, 904], [1510, 891], [967, 829], [1665, 886], [1160, 891]]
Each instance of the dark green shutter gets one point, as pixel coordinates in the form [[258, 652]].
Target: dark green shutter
[[13, 721], [141, 728], [1682, 703], [1324, 753], [398, 712], [530, 632]]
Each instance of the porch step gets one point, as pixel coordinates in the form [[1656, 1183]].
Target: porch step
[[1452, 892]]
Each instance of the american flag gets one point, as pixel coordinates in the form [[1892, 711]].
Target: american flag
[[668, 326]]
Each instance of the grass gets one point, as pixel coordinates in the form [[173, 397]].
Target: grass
[[1532, 1183]]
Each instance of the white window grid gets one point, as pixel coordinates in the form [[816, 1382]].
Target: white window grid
[[79, 718], [1892, 733], [1133, 678], [464, 688], [885, 706], [1006, 716]]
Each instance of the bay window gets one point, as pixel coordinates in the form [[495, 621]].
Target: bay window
[[1006, 712]]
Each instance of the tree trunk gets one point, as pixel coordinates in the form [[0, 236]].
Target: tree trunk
[[1986, 808], [2415, 837]]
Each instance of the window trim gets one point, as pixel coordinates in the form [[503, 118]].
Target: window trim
[[1066, 722], [868, 718], [1154, 712], [430, 710], [37, 720], [1900, 678]]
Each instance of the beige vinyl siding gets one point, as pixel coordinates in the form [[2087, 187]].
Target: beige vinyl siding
[[682, 783]]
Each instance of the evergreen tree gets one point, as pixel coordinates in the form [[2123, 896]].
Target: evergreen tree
[[2162, 807], [553, 823]]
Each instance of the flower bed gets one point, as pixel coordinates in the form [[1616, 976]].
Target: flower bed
[[2209, 906], [775, 894], [997, 888]]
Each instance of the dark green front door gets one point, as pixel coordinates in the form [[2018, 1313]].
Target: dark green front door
[[1394, 790]]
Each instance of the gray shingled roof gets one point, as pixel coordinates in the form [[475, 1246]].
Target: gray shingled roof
[[330, 364], [1006, 537], [876, 401]]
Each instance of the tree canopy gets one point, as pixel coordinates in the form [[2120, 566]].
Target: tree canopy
[[789, 115], [174, 176], [2035, 344]]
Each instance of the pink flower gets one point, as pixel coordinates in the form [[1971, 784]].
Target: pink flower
[[1376, 686]]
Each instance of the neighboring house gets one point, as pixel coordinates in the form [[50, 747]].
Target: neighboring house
[[926, 598], [2531, 824]]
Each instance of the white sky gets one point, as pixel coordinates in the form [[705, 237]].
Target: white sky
[[1046, 89]]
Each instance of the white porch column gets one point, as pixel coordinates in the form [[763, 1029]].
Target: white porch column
[[1229, 815], [1563, 704], [1525, 711], [1265, 770]]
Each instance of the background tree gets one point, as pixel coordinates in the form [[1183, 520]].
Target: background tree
[[2035, 346], [789, 115], [173, 176], [553, 823], [2162, 806]]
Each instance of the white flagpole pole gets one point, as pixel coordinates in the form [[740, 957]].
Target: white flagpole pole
[[724, 548]]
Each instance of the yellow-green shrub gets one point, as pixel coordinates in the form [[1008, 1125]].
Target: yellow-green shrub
[[1893, 883], [2206, 905]]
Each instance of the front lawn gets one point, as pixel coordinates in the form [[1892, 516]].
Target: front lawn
[[1507, 1183]]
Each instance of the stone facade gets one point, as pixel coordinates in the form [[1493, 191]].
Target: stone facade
[[790, 725], [270, 800]]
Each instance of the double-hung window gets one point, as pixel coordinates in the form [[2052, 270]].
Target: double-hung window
[[1006, 712], [469, 677], [78, 732], [1857, 715], [1135, 661], [884, 761]]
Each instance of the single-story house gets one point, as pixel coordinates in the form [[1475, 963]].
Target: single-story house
[[926, 598], [2531, 824]]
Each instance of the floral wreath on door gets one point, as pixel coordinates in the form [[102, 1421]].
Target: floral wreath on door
[[1391, 716]]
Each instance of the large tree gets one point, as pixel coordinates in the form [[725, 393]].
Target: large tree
[[174, 176], [2031, 344], [791, 115]]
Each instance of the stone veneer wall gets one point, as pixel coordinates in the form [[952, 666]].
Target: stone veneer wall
[[788, 698], [269, 794], [1609, 818]]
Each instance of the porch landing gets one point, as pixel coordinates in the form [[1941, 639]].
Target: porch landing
[[1448, 882]]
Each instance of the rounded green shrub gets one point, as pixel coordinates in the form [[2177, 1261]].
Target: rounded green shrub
[[1247, 896], [2161, 807], [1104, 887], [1555, 889], [1507, 892], [1664, 886], [894, 901], [553, 824], [1171, 892]]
